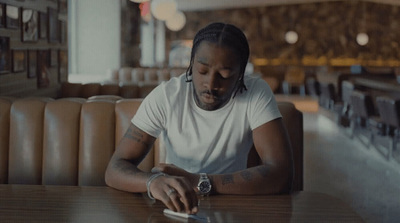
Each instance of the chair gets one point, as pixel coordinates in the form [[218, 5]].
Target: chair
[[344, 109], [137, 75], [176, 72], [389, 111], [163, 74], [294, 78], [327, 97], [312, 87], [364, 115], [124, 74], [150, 75], [113, 75]]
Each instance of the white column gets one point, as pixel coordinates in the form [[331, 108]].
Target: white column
[[160, 43], [147, 43], [95, 34]]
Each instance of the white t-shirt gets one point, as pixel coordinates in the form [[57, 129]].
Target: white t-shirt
[[197, 140]]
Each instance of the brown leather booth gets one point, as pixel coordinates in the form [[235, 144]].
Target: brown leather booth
[[69, 141], [125, 90]]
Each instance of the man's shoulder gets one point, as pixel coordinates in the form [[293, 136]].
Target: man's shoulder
[[256, 84], [176, 81], [175, 84], [170, 91]]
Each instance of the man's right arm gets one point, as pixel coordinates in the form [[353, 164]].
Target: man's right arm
[[122, 172]]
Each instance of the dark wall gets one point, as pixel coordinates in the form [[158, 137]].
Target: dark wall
[[34, 50], [327, 33]]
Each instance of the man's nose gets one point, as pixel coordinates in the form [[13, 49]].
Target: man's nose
[[211, 81]]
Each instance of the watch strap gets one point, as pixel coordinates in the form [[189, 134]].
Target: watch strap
[[203, 176]]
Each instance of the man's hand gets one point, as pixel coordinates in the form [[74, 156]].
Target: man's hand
[[173, 170], [176, 193]]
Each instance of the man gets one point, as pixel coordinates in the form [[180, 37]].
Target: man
[[209, 119]]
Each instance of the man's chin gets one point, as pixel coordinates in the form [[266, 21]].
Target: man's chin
[[207, 102], [209, 105]]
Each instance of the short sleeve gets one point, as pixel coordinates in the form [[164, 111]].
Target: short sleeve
[[150, 117], [263, 107]]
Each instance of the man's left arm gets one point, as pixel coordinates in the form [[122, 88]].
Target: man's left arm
[[274, 175]]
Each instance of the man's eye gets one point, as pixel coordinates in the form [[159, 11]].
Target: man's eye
[[225, 76], [202, 71]]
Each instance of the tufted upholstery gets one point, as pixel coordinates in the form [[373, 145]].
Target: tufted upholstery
[[125, 90], [143, 75], [69, 141]]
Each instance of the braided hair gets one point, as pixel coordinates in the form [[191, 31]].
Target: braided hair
[[226, 35]]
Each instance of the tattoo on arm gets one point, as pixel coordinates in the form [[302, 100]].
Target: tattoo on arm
[[135, 135], [227, 179], [246, 175], [263, 170]]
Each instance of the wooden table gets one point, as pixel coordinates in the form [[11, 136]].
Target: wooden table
[[23, 203]]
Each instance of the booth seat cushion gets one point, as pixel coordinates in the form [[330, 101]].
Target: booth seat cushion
[[69, 141], [5, 106], [26, 140]]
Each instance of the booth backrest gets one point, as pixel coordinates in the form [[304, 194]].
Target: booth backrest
[[70, 141], [125, 90], [143, 75]]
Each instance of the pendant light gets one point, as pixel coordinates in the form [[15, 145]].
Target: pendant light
[[176, 22], [139, 1], [163, 9]]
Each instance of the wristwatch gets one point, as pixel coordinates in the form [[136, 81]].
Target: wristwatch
[[204, 185]]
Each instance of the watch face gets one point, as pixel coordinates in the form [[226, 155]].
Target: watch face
[[204, 187]]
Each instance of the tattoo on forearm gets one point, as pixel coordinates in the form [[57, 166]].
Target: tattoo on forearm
[[227, 179], [263, 170], [246, 175]]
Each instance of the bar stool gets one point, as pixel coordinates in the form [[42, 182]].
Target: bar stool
[[327, 95], [364, 115], [294, 78], [345, 111], [389, 110], [312, 87]]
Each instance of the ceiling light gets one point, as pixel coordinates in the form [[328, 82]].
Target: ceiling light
[[291, 37], [163, 9], [362, 39], [139, 1], [176, 22]]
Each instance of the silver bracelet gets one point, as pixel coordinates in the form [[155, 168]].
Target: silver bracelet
[[151, 178]]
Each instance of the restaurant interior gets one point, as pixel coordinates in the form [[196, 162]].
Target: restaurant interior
[[337, 61]]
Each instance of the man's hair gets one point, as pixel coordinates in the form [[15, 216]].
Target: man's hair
[[226, 35]]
